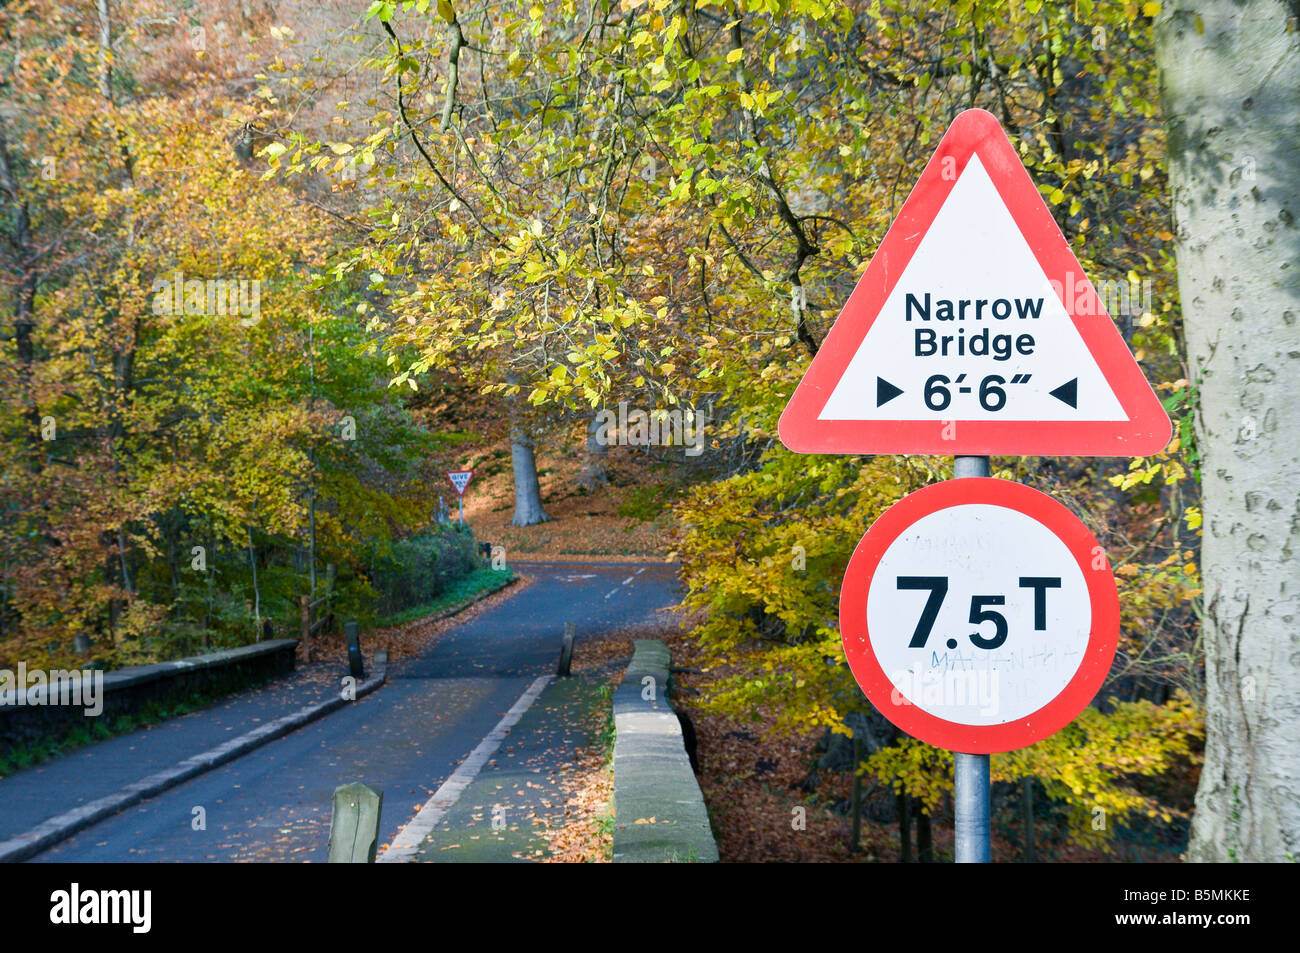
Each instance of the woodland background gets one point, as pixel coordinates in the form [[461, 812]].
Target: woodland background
[[473, 228]]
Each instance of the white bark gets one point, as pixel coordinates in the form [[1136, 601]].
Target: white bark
[[1230, 76]]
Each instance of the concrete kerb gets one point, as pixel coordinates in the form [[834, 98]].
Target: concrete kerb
[[659, 811], [63, 826], [462, 606]]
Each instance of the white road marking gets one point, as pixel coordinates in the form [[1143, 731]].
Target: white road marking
[[410, 837], [639, 571], [628, 579], [610, 593]]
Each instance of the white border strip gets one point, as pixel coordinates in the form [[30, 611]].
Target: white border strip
[[409, 838]]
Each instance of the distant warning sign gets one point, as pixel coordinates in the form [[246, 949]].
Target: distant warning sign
[[979, 615], [460, 479], [975, 330]]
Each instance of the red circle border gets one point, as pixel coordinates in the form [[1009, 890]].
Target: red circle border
[[911, 718]]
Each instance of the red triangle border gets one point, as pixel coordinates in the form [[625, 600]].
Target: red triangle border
[[974, 132]]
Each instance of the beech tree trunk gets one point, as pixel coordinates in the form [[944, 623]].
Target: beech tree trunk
[[595, 472], [1230, 78], [528, 492]]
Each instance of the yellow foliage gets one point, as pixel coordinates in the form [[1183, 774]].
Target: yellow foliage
[[1089, 765]]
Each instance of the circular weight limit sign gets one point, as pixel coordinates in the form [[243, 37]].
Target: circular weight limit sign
[[979, 615]]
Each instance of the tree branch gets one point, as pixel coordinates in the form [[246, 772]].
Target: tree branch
[[453, 68], [406, 121]]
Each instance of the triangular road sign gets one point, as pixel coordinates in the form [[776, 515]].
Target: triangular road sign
[[460, 479], [975, 330]]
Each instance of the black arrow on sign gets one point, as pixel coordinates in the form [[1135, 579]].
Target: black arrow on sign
[[1068, 393], [885, 391]]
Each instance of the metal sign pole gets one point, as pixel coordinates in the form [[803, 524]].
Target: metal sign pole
[[971, 802], [972, 808], [460, 499]]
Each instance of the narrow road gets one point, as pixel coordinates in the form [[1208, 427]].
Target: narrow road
[[405, 739]]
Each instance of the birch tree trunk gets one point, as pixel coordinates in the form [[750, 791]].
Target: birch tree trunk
[[1230, 78]]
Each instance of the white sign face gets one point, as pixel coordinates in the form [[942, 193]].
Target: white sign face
[[460, 480], [979, 615], [975, 331]]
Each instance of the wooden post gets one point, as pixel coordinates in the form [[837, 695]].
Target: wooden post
[[306, 628], [350, 629], [354, 825], [566, 648]]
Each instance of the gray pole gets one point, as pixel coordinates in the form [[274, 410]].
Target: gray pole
[[970, 467], [461, 501], [972, 804], [972, 770]]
